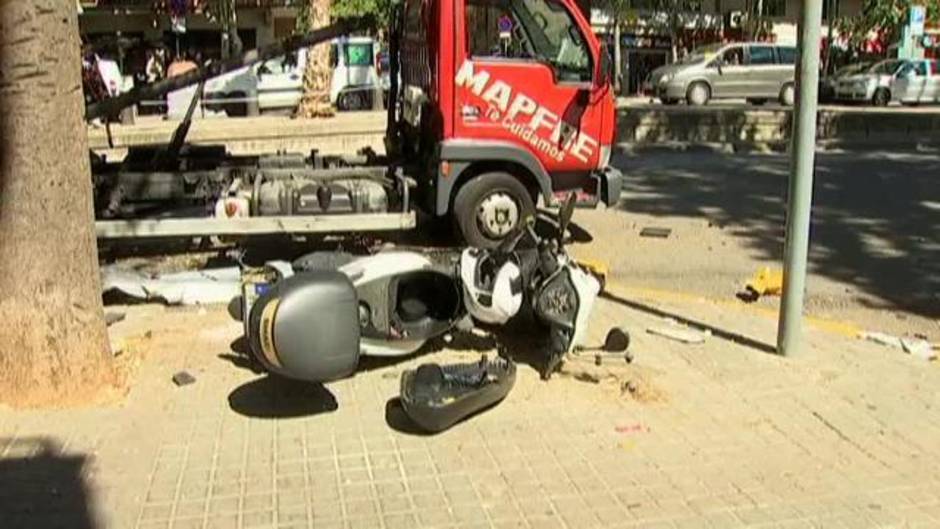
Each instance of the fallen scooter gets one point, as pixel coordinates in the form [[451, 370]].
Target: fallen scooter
[[312, 319], [312, 322]]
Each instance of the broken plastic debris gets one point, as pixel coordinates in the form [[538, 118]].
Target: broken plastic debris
[[766, 282], [882, 338], [679, 334], [183, 379], [217, 285], [917, 347], [659, 233], [111, 318]]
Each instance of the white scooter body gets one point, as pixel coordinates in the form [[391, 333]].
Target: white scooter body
[[588, 288], [362, 272], [378, 266]]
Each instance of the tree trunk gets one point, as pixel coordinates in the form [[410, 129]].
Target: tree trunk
[[318, 72], [53, 342]]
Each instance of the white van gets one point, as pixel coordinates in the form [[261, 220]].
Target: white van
[[355, 76], [276, 85], [354, 59], [280, 80]]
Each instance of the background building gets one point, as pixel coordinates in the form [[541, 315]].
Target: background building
[[122, 30]]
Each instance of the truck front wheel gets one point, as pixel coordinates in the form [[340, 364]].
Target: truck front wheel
[[489, 207]]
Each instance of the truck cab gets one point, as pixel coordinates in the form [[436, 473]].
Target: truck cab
[[503, 102]]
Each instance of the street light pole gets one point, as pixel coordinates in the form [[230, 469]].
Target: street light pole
[[800, 195]]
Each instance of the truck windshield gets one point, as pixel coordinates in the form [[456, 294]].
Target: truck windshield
[[542, 30], [358, 54]]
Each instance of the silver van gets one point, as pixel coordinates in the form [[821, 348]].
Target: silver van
[[756, 71]]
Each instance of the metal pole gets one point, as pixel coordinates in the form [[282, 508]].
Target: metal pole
[[800, 196]]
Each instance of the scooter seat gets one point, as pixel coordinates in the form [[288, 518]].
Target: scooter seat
[[436, 397]]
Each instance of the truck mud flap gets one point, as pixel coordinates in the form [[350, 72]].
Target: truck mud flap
[[436, 397]]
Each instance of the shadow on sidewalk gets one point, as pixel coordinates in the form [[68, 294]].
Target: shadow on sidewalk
[[273, 397], [42, 488], [874, 214]]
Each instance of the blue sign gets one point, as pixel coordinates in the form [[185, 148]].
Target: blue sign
[[505, 24], [918, 16]]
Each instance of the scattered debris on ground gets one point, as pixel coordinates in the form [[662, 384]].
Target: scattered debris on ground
[[679, 334], [641, 389], [656, 232], [183, 379], [110, 318], [766, 282], [218, 285], [632, 428], [617, 379], [917, 346]]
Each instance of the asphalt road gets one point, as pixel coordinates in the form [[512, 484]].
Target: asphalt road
[[875, 251], [739, 104]]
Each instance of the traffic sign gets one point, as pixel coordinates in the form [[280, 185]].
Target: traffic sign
[[918, 16]]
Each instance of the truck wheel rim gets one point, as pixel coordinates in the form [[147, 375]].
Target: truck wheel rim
[[497, 215]]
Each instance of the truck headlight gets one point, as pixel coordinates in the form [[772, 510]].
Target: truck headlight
[[666, 78]]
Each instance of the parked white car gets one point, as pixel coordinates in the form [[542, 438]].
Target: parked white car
[[918, 81], [872, 84]]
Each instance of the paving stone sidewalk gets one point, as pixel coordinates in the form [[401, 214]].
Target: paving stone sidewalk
[[710, 435]]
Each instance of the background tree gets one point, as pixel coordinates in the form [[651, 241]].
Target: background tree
[[884, 18], [53, 342], [226, 14], [318, 72], [380, 10], [315, 101]]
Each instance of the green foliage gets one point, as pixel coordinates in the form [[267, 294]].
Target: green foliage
[[886, 17], [626, 10], [380, 9]]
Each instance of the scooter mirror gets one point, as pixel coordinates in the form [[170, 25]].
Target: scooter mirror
[[564, 216], [617, 340]]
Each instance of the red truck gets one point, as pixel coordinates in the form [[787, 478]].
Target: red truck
[[501, 102]]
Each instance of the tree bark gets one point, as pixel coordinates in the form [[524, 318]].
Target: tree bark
[[315, 101], [53, 342]]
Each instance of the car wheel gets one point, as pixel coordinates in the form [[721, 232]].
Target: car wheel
[[350, 101], [881, 98], [489, 207], [756, 102], [237, 108], [698, 94], [787, 95]]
